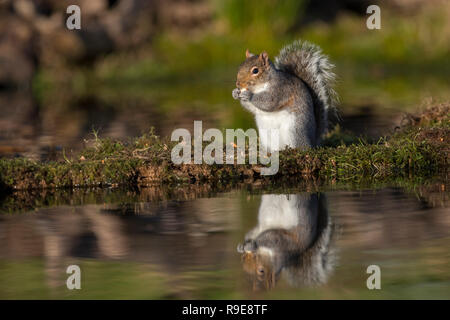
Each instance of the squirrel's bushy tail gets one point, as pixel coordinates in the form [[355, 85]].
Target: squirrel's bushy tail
[[306, 61]]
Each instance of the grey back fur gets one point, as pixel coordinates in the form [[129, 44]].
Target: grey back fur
[[306, 61]]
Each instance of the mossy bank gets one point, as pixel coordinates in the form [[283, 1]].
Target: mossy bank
[[419, 147]]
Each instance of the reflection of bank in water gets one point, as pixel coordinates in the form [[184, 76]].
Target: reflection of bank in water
[[40, 131], [170, 238], [293, 239]]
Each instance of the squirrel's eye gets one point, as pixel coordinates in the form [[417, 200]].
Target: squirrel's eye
[[255, 70]]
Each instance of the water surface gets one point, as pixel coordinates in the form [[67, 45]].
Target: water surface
[[238, 244]]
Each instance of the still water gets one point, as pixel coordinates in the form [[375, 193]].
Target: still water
[[235, 245]]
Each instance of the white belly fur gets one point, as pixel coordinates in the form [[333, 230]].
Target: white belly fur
[[279, 211], [283, 121], [283, 211]]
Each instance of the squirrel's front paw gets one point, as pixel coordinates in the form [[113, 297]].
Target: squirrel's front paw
[[247, 246], [245, 95], [236, 93]]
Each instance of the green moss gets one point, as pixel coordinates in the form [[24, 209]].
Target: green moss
[[419, 149]]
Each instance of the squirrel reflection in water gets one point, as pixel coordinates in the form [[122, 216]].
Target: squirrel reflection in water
[[293, 238]]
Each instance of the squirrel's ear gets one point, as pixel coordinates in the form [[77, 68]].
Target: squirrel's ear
[[264, 57], [248, 54]]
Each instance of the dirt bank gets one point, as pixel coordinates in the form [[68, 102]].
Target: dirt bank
[[420, 147]]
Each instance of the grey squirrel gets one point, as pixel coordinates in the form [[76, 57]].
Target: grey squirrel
[[294, 238], [294, 95]]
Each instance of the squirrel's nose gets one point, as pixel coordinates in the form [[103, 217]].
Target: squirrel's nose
[[237, 83]]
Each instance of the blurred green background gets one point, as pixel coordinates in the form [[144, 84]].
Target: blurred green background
[[136, 64]]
